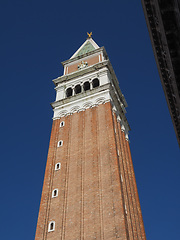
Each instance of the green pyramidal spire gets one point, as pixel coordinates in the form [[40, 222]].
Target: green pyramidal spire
[[88, 46]]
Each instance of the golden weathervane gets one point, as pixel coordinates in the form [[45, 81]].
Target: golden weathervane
[[89, 34]]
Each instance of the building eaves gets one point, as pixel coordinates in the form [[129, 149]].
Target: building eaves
[[163, 21]]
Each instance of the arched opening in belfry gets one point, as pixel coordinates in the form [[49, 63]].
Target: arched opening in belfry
[[86, 86], [95, 82], [77, 89], [69, 92]]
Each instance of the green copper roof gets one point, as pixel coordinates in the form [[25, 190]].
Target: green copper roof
[[88, 47]]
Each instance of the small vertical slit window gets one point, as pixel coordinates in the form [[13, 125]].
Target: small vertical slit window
[[125, 209], [51, 226], [60, 143], [54, 193], [62, 124], [58, 166], [121, 178]]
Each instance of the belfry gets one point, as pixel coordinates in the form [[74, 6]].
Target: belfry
[[89, 189]]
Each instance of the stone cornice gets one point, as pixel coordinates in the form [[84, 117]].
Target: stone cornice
[[104, 93], [79, 96], [81, 104], [90, 69], [102, 49], [118, 108], [81, 72]]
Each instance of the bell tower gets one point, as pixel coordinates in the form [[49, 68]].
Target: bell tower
[[89, 189]]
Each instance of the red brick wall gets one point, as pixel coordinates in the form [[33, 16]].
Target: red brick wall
[[133, 214], [90, 61], [92, 197]]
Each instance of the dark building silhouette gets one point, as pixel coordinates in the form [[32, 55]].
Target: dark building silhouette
[[163, 21]]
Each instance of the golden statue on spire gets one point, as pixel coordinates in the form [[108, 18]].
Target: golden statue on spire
[[89, 34]]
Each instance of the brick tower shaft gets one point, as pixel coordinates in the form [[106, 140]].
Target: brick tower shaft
[[89, 189]]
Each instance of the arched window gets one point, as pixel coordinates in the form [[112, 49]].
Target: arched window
[[51, 226], [62, 124], [54, 193], [95, 82], [69, 92], [58, 166], [60, 143], [77, 89], [86, 86]]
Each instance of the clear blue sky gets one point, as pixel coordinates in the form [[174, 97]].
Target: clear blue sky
[[35, 37]]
